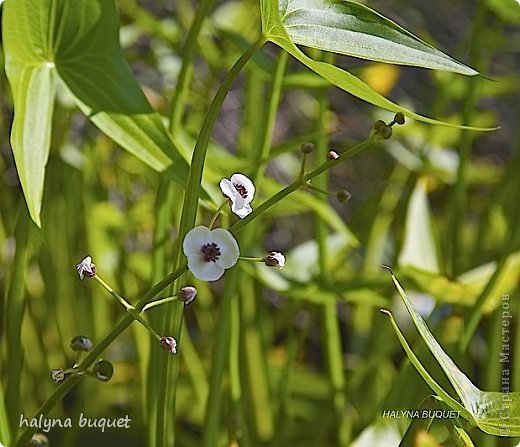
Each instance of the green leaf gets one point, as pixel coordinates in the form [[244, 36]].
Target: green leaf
[[275, 31], [78, 42], [33, 95], [350, 28], [494, 413]]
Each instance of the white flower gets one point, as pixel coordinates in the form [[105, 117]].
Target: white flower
[[86, 267], [240, 191], [210, 252], [275, 259]]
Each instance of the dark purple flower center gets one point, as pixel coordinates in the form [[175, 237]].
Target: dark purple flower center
[[241, 190], [211, 252]]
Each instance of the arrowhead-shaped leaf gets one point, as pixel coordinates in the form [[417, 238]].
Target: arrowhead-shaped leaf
[[275, 28], [350, 28], [76, 41]]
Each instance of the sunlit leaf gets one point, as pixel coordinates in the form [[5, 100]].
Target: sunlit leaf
[[76, 41], [493, 412], [347, 27], [275, 30]]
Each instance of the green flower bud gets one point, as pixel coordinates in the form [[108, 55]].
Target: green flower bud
[[307, 148], [399, 118], [343, 196], [382, 130], [103, 370], [81, 343]]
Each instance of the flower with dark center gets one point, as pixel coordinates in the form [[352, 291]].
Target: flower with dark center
[[210, 252], [240, 191]]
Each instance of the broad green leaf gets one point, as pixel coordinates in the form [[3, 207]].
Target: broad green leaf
[[350, 28], [419, 247], [275, 31], [76, 41], [494, 413]]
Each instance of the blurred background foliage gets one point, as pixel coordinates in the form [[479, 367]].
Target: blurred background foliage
[[439, 204]]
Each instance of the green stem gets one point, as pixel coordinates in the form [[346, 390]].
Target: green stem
[[218, 364], [239, 226], [159, 302], [459, 195], [331, 328], [249, 259], [112, 292], [318, 189], [166, 400], [15, 306], [189, 52], [217, 213]]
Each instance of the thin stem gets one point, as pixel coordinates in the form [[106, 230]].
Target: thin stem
[[217, 213], [159, 302], [112, 292], [188, 56], [303, 166], [318, 189], [273, 200], [250, 259], [459, 194]]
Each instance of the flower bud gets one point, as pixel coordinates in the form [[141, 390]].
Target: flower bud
[[399, 118], [39, 440], [307, 148], [169, 344], [382, 130], [343, 196], [103, 370], [81, 343], [57, 375], [86, 268], [187, 294], [275, 259], [332, 155]]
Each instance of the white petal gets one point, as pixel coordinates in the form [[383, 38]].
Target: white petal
[[228, 248], [203, 270], [228, 189], [195, 239], [242, 211], [241, 179]]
